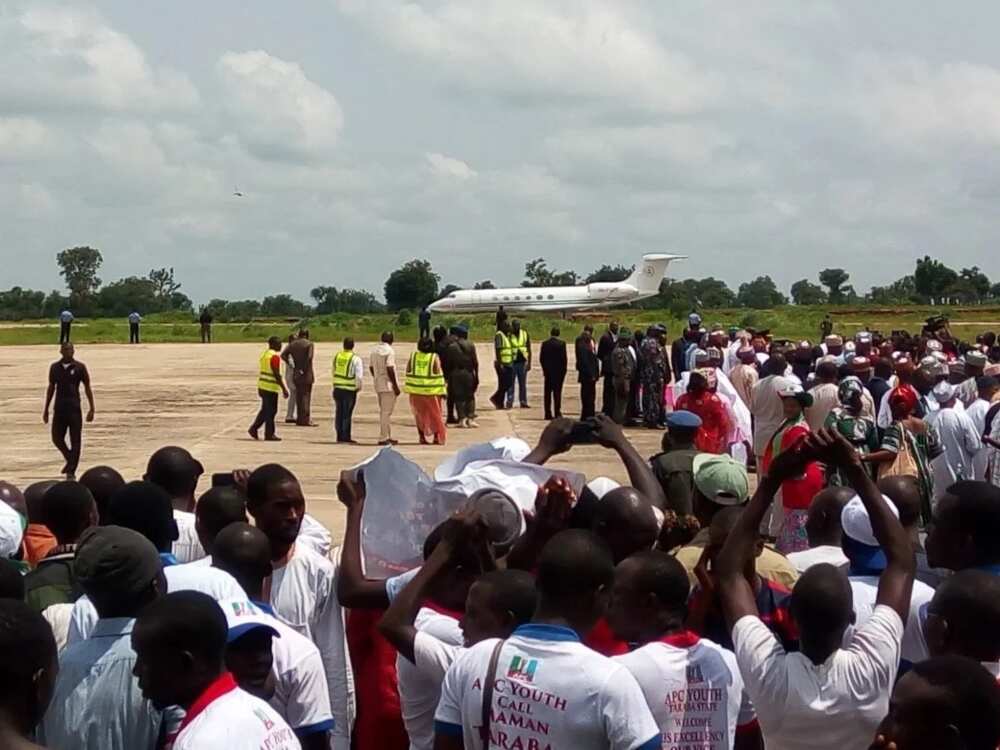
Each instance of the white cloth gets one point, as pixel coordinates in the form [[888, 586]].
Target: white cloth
[[825, 553], [695, 692], [505, 448], [550, 691], [303, 594], [840, 702], [977, 413], [11, 530], [419, 693], [865, 590], [767, 411], [188, 547], [237, 721], [315, 535], [960, 442], [433, 657], [58, 617], [825, 399], [995, 454], [382, 359], [739, 413]]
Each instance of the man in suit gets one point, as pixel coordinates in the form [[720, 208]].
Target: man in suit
[[552, 355], [605, 347], [588, 369]]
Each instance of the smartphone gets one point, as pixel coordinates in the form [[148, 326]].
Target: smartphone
[[225, 479], [582, 432]]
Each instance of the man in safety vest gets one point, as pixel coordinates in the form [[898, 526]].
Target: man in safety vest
[[521, 365], [503, 363], [347, 373], [269, 385]]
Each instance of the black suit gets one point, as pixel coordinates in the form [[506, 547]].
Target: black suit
[[588, 369], [552, 355], [605, 347]]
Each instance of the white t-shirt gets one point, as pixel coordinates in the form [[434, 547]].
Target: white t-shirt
[[315, 535], [838, 703], [397, 583], [188, 547], [418, 692], [825, 553], [234, 720], [434, 657], [694, 689], [865, 590], [550, 691], [303, 594]]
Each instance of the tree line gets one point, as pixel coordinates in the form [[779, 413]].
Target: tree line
[[415, 284]]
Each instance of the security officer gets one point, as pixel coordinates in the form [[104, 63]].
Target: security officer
[[503, 363], [426, 387], [269, 385], [134, 318], [347, 373], [521, 343]]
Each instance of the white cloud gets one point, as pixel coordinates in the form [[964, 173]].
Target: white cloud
[[275, 108], [449, 167], [23, 137]]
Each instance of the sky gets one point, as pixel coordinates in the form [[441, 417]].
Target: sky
[[775, 137]]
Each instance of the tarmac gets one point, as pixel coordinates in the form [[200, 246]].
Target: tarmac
[[203, 397]]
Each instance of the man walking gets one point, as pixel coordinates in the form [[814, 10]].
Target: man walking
[[134, 318], [347, 374], [383, 370], [65, 378], [301, 352], [588, 368], [269, 385], [503, 363], [65, 323], [205, 320], [552, 355], [521, 343]]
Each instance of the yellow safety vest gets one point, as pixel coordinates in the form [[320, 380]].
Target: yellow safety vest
[[342, 378], [420, 378], [506, 349], [265, 379], [519, 343]]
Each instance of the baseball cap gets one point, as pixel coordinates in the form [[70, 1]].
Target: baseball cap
[[860, 544], [243, 617], [601, 486], [721, 478], [115, 560], [683, 419]]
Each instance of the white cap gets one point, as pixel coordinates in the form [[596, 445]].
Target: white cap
[[790, 390], [601, 486], [944, 391], [242, 616], [856, 523]]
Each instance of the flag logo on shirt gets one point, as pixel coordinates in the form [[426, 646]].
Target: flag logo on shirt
[[264, 718], [522, 669]]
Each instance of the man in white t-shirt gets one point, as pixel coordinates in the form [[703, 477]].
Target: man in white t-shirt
[[302, 589], [180, 643], [383, 370], [177, 472], [824, 531], [835, 692], [692, 685], [547, 688]]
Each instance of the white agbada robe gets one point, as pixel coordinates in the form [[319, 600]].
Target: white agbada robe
[[977, 413], [960, 441]]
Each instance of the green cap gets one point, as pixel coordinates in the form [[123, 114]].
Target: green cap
[[722, 479]]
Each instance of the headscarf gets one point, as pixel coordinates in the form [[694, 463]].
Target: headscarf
[[849, 388], [904, 399]]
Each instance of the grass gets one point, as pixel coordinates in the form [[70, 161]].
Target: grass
[[784, 322]]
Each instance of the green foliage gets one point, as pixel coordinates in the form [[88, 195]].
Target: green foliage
[[448, 289], [804, 292], [761, 294], [835, 279], [20, 304], [932, 278], [899, 292], [129, 294], [329, 299], [283, 305], [536, 273], [484, 285], [404, 318], [681, 297], [413, 285], [79, 267], [609, 273]]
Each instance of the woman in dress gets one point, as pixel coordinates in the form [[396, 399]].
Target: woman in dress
[[796, 493], [848, 420], [715, 423], [426, 386]]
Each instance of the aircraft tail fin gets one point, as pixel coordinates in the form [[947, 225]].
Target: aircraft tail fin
[[650, 271]]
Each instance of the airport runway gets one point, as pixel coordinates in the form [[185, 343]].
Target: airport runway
[[203, 397]]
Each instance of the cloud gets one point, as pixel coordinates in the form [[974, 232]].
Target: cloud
[[448, 167], [275, 109]]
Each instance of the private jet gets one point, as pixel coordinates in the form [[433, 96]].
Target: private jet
[[644, 282]]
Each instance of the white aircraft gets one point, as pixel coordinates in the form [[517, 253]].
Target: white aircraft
[[644, 282]]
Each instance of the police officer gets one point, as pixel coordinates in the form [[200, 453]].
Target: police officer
[[269, 385], [347, 373], [134, 318], [503, 363]]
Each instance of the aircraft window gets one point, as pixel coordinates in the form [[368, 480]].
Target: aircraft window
[[506, 299], [550, 297], [451, 296], [538, 297]]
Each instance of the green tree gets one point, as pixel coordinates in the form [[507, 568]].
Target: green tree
[[760, 294], [804, 292], [932, 278], [995, 291], [123, 296], [413, 285], [164, 284], [326, 298], [681, 297], [79, 267], [283, 305], [484, 285], [448, 289], [609, 273], [536, 273], [899, 292], [19, 304], [834, 280], [975, 280]]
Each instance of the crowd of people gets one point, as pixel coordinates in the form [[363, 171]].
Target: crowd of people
[[849, 598]]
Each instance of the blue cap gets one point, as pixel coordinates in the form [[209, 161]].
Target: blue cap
[[238, 631], [683, 419]]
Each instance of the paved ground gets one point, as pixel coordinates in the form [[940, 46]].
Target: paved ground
[[204, 397]]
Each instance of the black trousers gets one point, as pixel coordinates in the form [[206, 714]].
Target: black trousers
[[268, 411], [133, 333], [608, 399], [553, 395], [68, 421], [206, 333], [505, 379], [344, 402], [588, 398], [64, 332]]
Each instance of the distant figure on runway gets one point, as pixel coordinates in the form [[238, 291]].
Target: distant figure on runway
[[65, 378], [348, 371], [65, 324], [501, 316], [134, 318], [622, 375], [289, 371], [503, 363], [383, 369], [552, 356], [205, 319], [588, 368], [424, 320], [443, 338], [426, 387], [301, 352], [269, 385], [521, 343], [464, 378], [605, 348]]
